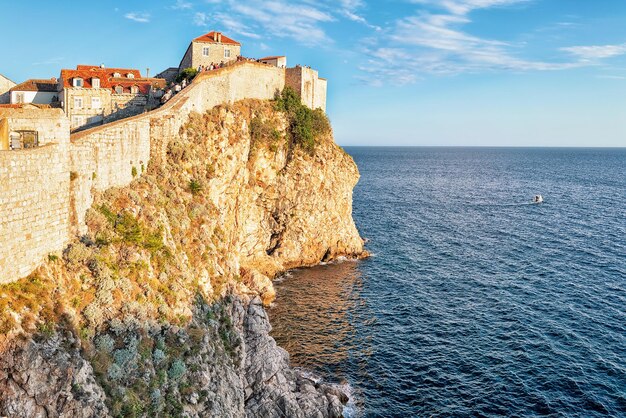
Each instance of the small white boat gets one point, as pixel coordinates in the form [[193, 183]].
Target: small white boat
[[538, 199]]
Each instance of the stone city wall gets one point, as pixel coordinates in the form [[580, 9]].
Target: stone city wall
[[45, 192], [34, 194]]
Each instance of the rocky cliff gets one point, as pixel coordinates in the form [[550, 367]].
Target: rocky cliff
[[158, 309]]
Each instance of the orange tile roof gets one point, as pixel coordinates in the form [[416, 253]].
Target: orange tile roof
[[272, 57], [209, 37], [107, 79], [49, 85]]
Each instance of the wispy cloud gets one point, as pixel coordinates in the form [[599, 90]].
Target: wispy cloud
[[201, 19], [182, 5], [138, 17], [304, 21], [436, 42], [596, 52], [284, 19], [463, 7]]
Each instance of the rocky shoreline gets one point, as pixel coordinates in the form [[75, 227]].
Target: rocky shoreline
[[49, 377]]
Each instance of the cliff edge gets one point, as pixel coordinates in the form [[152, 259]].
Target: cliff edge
[[158, 309]]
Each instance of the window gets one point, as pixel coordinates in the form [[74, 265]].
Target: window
[[227, 53], [205, 51], [78, 102], [134, 90], [24, 139], [95, 83], [117, 75], [30, 139], [19, 98], [130, 75], [78, 121], [119, 89], [77, 82], [95, 103]]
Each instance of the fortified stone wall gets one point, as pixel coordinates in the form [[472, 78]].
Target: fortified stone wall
[[34, 195], [45, 192]]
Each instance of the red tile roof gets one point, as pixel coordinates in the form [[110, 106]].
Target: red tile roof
[[49, 85], [107, 79], [272, 57], [210, 37]]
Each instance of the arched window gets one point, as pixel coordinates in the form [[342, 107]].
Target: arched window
[[117, 75], [119, 89], [130, 75], [134, 90]]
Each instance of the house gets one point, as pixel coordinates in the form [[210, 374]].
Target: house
[[210, 48], [35, 91], [276, 61], [93, 94], [5, 86]]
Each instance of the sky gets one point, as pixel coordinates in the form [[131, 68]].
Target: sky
[[400, 72]]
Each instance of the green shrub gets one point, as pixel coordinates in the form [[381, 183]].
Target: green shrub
[[187, 73], [133, 171], [195, 187], [305, 125]]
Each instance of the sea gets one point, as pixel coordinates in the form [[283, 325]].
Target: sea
[[475, 302]]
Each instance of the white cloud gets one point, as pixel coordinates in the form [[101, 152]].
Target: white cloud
[[182, 5], [304, 21], [284, 19], [200, 19], [138, 17], [589, 53], [437, 43], [463, 7]]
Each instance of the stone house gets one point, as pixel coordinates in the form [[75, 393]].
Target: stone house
[[276, 61], [92, 95], [35, 91], [210, 48], [5, 86]]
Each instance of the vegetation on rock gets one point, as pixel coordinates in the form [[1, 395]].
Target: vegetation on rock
[[305, 125]]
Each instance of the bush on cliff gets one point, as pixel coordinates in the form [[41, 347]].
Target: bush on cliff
[[305, 125]]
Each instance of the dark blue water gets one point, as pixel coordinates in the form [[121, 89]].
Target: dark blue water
[[475, 302]]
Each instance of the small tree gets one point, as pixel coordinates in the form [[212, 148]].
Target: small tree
[[187, 73]]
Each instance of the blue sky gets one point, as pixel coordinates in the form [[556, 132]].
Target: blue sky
[[403, 72]]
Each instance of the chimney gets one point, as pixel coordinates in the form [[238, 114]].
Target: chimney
[[219, 37], [215, 36]]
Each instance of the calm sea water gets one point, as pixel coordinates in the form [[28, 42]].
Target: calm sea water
[[475, 302]]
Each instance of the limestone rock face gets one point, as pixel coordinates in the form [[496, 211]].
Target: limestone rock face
[[167, 288], [48, 379]]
